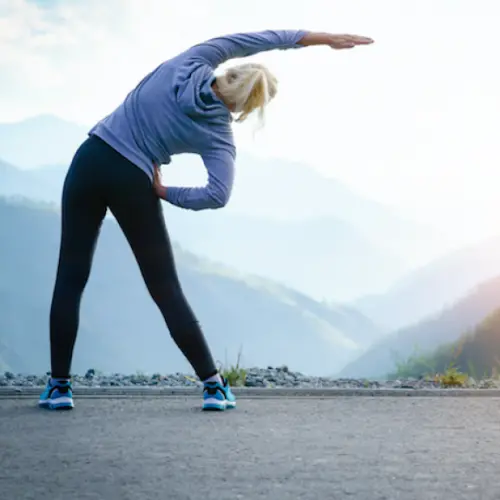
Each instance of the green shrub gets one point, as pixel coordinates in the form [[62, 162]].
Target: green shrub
[[235, 374]]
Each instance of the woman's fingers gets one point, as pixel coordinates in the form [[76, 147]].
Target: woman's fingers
[[359, 40], [349, 41], [356, 39]]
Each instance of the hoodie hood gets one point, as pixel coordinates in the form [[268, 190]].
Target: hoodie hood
[[195, 95]]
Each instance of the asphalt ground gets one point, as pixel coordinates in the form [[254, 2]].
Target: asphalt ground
[[312, 446]]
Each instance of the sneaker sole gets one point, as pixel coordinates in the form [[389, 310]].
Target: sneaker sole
[[217, 405], [57, 404]]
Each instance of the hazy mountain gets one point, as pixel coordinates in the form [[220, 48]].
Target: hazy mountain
[[41, 140], [322, 256], [42, 184], [434, 286], [121, 328], [427, 335], [279, 212]]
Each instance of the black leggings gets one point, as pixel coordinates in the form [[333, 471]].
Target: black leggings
[[98, 178]]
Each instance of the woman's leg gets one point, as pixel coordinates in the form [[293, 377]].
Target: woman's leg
[[83, 210], [139, 214]]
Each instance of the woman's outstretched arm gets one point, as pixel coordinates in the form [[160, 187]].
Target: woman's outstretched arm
[[219, 50]]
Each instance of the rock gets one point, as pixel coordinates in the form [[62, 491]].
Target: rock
[[255, 382], [487, 384], [407, 385], [471, 383]]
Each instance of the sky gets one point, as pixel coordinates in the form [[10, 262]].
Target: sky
[[412, 120]]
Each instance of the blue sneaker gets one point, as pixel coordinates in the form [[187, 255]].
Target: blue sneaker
[[57, 396], [218, 397]]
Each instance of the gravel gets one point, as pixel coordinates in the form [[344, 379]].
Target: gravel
[[279, 377]]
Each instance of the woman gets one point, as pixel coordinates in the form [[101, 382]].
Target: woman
[[180, 107]]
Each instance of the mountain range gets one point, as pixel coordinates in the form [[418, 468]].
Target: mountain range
[[285, 221], [312, 241], [121, 329], [316, 236]]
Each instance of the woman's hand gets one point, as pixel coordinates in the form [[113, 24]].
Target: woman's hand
[[335, 41], [159, 188]]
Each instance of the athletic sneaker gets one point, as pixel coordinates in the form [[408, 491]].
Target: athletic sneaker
[[218, 397], [57, 395]]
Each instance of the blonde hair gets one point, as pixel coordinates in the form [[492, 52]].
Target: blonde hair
[[247, 87]]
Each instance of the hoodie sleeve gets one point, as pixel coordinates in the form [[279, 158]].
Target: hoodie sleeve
[[218, 50], [216, 194]]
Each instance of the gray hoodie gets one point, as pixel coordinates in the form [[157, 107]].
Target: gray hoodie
[[174, 110]]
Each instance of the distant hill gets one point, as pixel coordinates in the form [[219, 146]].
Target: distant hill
[[279, 213], [42, 185], [121, 328], [476, 353], [426, 335], [41, 140], [434, 286]]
